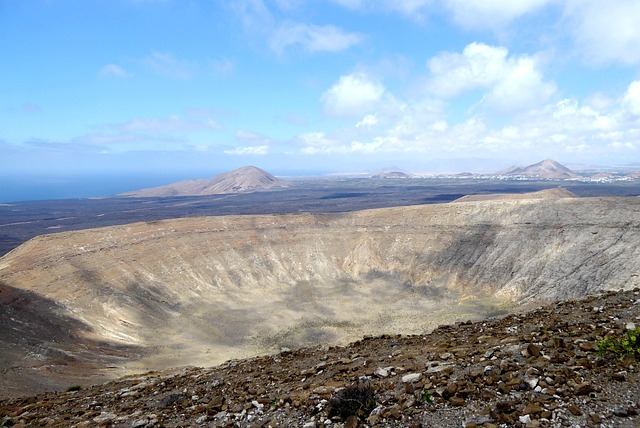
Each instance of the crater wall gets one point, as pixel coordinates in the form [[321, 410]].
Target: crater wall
[[202, 290]]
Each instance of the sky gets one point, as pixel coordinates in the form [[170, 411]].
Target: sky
[[193, 87]]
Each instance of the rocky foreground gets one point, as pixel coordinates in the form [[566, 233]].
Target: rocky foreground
[[532, 369]]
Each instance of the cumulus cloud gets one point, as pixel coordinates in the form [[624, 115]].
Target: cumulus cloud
[[312, 38], [632, 98], [606, 31], [579, 129], [367, 121], [352, 95], [512, 83], [113, 70]]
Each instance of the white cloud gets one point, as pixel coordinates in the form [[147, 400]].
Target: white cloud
[[113, 70], [606, 31], [352, 95], [492, 13], [594, 128], [489, 14], [312, 38], [279, 35], [316, 142], [479, 65], [167, 65], [631, 98], [522, 87], [367, 121], [249, 150], [513, 83]]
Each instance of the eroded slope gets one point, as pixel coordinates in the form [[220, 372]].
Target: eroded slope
[[202, 290]]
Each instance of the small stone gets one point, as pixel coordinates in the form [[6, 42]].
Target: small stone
[[587, 346], [525, 419], [457, 401], [380, 372], [584, 389], [533, 350], [532, 382], [533, 409], [621, 412], [574, 410], [373, 419], [411, 378], [105, 416], [351, 422], [619, 376], [630, 326]]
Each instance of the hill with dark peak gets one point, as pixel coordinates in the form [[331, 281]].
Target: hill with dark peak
[[391, 174], [241, 180], [546, 169], [531, 369]]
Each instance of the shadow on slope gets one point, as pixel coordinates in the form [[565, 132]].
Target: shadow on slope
[[45, 350]]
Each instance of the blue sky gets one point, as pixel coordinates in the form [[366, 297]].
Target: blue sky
[[192, 86]]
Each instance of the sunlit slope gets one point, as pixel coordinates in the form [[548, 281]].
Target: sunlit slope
[[200, 290]]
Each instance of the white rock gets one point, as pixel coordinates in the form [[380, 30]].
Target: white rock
[[411, 378], [631, 326], [525, 419], [104, 416], [380, 372]]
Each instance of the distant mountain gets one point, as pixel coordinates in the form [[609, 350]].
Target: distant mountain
[[241, 180], [391, 174], [546, 169]]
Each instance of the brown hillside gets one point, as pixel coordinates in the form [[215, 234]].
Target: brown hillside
[[536, 369], [202, 290], [241, 180], [556, 193]]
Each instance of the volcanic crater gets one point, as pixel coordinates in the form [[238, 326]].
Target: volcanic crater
[[85, 306]]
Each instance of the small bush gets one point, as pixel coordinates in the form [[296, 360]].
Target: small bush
[[354, 400], [426, 396], [629, 343], [74, 388]]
